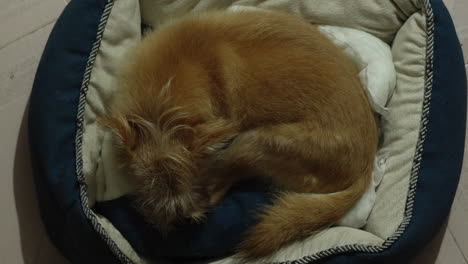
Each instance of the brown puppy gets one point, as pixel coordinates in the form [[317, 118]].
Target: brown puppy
[[212, 96]]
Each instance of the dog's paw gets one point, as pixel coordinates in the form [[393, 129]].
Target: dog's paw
[[198, 216]]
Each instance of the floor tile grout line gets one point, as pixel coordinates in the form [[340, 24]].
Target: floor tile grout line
[[457, 245], [27, 34]]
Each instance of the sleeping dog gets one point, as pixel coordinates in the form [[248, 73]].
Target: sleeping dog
[[208, 99]]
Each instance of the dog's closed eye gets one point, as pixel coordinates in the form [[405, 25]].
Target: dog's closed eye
[[221, 145], [213, 136]]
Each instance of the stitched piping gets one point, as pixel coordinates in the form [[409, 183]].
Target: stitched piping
[[354, 248], [79, 138]]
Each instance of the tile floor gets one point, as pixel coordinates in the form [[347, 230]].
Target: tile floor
[[24, 27]]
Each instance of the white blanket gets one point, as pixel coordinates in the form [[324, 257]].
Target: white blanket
[[373, 59]]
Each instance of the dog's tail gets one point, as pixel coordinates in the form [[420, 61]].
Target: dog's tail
[[294, 216]]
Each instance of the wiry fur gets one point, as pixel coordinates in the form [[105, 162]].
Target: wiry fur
[[214, 97]]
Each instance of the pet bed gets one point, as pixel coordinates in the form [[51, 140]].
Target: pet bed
[[83, 198]]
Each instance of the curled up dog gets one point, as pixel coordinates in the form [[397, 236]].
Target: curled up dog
[[210, 98]]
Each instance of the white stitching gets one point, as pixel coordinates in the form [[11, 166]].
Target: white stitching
[[307, 259], [79, 137]]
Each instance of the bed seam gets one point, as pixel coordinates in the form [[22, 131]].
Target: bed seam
[[79, 137]]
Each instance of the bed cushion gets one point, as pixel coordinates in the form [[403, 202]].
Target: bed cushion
[[227, 222]]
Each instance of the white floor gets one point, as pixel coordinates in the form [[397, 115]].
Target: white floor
[[24, 27]]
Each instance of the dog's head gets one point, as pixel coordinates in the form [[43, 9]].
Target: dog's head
[[167, 156]]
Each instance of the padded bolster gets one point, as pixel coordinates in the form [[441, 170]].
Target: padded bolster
[[52, 131], [442, 155]]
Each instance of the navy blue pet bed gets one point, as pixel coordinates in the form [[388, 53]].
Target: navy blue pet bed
[[90, 230]]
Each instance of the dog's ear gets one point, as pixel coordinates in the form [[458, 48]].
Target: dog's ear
[[212, 136], [124, 131]]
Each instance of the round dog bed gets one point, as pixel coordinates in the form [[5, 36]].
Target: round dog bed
[[84, 202]]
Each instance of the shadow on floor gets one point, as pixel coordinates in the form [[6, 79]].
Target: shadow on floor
[[35, 244]]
